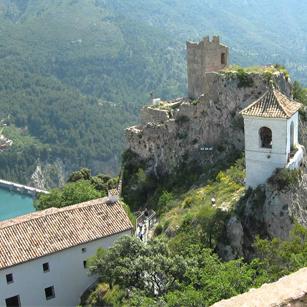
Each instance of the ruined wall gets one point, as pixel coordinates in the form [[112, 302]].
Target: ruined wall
[[152, 115], [205, 56], [289, 291], [213, 121]]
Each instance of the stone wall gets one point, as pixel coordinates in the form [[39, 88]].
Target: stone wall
[[205, 56], [289, 291]]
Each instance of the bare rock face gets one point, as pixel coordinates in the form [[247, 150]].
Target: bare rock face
[[235, 235], [284, 208], [183, 128], [48, 175], [268, 212]]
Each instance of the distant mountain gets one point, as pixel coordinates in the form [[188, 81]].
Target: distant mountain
[[75, 72]]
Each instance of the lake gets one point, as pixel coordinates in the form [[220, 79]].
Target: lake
[[13, 204]]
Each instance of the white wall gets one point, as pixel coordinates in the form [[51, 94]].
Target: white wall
[[293, 119], [66, 274], [262, 162]]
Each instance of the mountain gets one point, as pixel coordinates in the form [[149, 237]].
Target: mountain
[[74, 73]]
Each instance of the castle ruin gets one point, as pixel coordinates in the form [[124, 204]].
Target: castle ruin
[[203, 57]]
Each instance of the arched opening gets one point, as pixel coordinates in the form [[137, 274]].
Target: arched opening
[[291, 135], [265, 134], [223, 59]]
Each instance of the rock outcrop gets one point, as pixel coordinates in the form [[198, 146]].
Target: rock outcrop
[[183, 129], [267, 211], [48, 175]]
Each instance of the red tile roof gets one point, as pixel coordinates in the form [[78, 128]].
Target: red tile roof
[[41, 233], [273, 104]]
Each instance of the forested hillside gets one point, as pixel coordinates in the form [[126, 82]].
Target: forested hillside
[[75, 73]]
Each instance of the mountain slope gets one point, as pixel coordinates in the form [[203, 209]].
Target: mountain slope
[[75, 73]]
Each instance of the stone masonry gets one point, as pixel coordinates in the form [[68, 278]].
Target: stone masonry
[[203, 57]]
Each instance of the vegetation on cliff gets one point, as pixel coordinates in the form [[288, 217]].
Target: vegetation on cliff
[[157, 274]]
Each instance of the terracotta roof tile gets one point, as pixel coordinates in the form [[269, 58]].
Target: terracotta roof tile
[[272, 104], [41, 233]]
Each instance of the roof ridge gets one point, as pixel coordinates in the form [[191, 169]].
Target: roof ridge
[[273, 91]]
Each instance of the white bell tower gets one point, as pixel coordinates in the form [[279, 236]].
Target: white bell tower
[[271, 136]]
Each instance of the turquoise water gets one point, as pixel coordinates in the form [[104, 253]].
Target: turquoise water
[[14, 204]]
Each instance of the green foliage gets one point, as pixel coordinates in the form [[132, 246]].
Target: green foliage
[[132, 265], [165, 201], [81, 186], [244, 79], [74, 90], [70, 194], [189, 275], [299, 93], [279, 258], [136, 184], [285, 178]]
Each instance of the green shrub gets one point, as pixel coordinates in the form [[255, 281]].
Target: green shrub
[[244, 79], [158, 230], [285, 178]]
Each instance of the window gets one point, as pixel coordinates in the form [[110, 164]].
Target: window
[[46, 267], [49, 293], [9, 278], [223, 59], [84, 264], [265, 134], [83, 249], [13, 301]]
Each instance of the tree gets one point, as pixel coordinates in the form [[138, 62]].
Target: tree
[[72, 193], [131, 265], [278, 257]]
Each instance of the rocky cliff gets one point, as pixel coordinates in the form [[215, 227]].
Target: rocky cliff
[[204, 129], [269, 211]]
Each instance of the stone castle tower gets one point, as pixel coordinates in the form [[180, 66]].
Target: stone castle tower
[[203, 57]]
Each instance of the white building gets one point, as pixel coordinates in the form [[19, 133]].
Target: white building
[[271, 136], [43, 255]]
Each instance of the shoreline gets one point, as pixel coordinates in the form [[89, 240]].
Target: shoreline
[[20, 188]]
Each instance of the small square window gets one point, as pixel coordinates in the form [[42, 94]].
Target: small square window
[[49, 293], [83, 249], [13, 301], [85, 264], [46, 267], [9, 278]]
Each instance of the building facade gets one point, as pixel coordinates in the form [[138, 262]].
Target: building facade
[[271, 135], [204, 57], [43, 255]]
